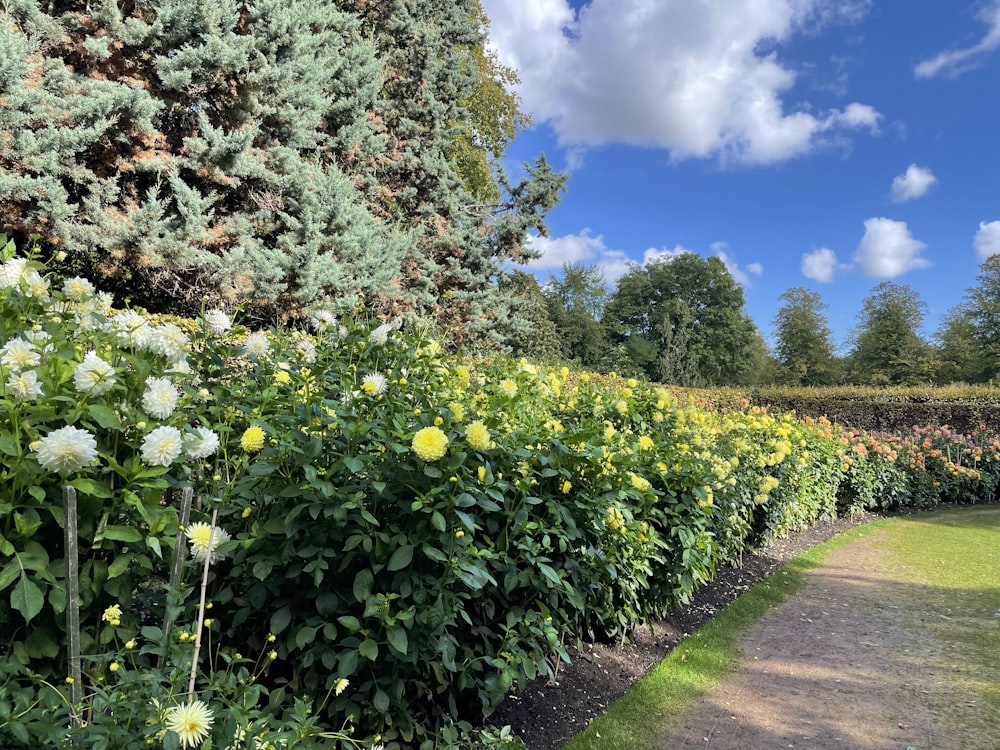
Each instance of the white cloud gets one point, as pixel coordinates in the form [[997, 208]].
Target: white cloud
[[739, 274], [987, 239], [913, 183], [700, 79], [615, 263], [820, 265], [590, 250], [888, 250], [954, 62], [570, 248]]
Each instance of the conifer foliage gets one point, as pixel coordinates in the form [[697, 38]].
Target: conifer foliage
[[273, 152]]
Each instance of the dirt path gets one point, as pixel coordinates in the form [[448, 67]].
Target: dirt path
[[844, 664]]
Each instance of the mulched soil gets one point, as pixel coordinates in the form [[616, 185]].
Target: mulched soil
[[546, 715]]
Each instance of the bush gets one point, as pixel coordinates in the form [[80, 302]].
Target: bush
[[405, 535]]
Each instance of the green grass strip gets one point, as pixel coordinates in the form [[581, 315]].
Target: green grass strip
[[951, 563], [700, 661], [950, 560]]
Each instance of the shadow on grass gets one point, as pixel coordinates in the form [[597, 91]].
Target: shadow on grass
[[926, 655]]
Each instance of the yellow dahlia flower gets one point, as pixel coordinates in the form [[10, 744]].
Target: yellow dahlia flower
[[253, 439], [478, 436], [430, 443]]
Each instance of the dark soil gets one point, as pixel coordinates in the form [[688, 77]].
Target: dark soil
[[547, 714]]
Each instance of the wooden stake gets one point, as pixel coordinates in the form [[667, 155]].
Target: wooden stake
[[73, 605], [177, 565], [201, 605]]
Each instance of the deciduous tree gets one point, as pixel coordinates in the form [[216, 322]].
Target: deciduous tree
[[803, 340], [888, 348], [575, 301], [959, 356], [984, 316], [689, 311]]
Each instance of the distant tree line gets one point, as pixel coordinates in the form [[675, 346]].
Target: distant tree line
[[681, 320]]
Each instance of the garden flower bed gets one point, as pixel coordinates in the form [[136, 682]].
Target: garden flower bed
[[385, 539]]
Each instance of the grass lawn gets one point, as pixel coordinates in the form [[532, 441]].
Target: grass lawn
[[952, 558], [956, 556]]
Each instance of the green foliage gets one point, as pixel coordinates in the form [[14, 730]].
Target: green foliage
[[494, 119], [690, 311], [889, 409], [177, 152], [405, 535], [539, 338], [575, 300], [968, 342], [958, 352], [803, 341], [887, 348], [984, 313], [269, 155]]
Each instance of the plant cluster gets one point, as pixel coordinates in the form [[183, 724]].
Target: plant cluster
[[402, 536]]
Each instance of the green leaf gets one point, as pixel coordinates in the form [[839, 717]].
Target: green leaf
[[123, 534], [326, 603], [91, 487], [401, 558], [280, 620], [262, 469], [27, 597], [34, 557], [27, 523], [305, 636], [369, 650], [466, 520], [105, 417], [8, 445], [438, 522], [57, 598], [549, 573], [347, 662], [354, 465], [398, 640], [364, 582], [9, 573], [351, 623], [434, 554], [262, 569], [120, 565], [381, 701]]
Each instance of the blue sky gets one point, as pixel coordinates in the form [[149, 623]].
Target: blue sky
[[827, 144]]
